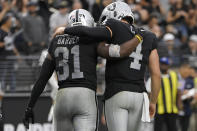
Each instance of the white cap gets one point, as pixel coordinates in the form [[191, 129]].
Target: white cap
[[168, 36], [193, 38]]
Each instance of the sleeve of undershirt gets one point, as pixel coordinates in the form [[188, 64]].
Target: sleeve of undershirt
[[45, 74], [155, 43]]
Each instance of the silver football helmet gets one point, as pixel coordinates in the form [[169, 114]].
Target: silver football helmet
[[116, 10], [80, 17]]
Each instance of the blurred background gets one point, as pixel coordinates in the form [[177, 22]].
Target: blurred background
[[26, 28]]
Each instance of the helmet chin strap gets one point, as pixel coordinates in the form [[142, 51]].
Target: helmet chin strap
[[128, 19]]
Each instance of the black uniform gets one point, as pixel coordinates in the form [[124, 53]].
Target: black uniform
[[124, 77], [75, 63], [128, 74], [75, 107]]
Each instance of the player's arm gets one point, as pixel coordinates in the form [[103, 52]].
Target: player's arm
[[155, 75], [101, 33], [45, 73], [155, 80], [119, 51]]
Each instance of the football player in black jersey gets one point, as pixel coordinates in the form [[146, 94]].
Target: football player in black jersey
[[126, 100], [75, 64]]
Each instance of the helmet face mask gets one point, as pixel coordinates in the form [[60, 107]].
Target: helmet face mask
[[80, 17], [117, 10], [128, 19]]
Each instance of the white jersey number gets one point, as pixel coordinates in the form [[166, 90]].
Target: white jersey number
[[137, 56], [64, 62]]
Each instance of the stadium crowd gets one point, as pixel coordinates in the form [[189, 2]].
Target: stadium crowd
[[26, 28]]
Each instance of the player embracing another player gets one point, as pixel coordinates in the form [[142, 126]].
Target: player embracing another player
[[126, 99], [74, 59]]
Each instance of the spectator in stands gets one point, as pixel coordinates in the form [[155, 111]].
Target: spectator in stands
[[19, 41], [162, 47], [172, 42], [98, 8], [173, 48], [192, 21], [144, 3], [139, 11], [45, 13], [191, 50], [84, 3], [178, 16], [156, 8], [7, 51], [157, 30], [153, 20], [59, 18], [5, 7], [193, 4], [21, 7], [171, 29], [131, 3], [77, 5], [34, 29]]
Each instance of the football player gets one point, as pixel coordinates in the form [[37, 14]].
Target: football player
[[74, 59], [126, 100]]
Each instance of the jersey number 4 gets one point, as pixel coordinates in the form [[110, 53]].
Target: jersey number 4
[[63, 63], [137, 56]]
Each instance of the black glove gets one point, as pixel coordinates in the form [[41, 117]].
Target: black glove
[[29, 115], [140, 31]]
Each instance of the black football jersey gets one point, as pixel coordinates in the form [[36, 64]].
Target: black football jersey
[[127, 74], [75, 62]]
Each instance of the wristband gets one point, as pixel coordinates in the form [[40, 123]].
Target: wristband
[[139, 38]]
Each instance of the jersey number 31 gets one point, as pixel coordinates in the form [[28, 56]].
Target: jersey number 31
[[63, 63]]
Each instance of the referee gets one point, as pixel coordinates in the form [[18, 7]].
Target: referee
[[169, 96]]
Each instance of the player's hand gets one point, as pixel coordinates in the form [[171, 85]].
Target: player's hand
[[59, 31], [103, 121], [139, 31], [29, 115], [152, 110]]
